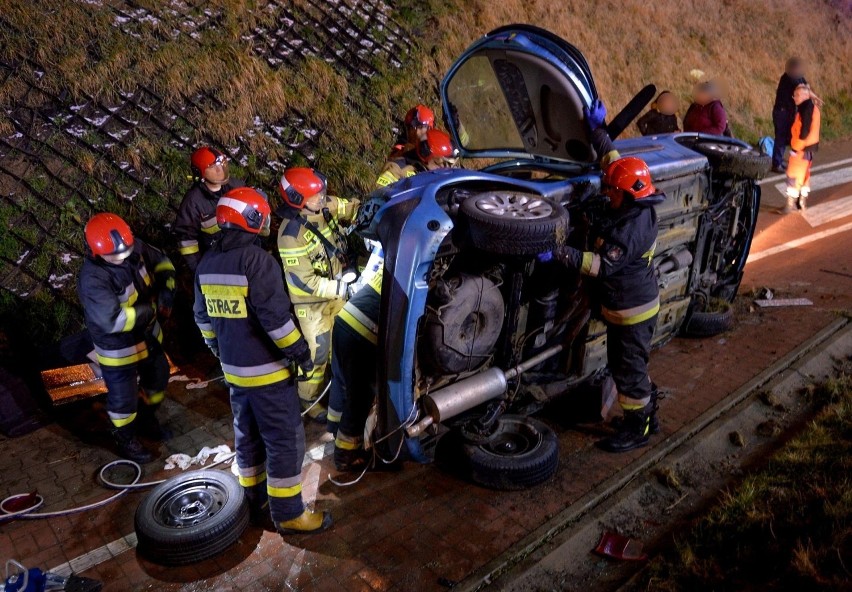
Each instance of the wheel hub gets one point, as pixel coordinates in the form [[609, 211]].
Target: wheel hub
[[508, 204], [190, 504]]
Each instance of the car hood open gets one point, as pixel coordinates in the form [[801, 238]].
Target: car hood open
[[519, 92]]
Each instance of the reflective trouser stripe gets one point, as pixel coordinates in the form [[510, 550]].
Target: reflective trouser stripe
[[259, 380], [630, 404], [284, 487], [591, 264], [345, 442], [106, 360], [252, 480], [632, 316], [333, 415], [121, 419], [154, 398]]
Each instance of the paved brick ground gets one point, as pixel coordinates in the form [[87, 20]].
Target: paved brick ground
[[419, 529]]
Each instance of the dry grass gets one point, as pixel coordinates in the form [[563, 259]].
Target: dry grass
[[628, 43], [785, 527]]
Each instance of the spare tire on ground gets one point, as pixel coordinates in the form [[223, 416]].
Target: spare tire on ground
[[191, 517], [734, 160], [520, 453], [708, 324], [515, 223]]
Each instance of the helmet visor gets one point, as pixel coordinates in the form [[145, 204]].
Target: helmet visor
[[218, 173], [118, 258]]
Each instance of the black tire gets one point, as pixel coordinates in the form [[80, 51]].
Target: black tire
[[708, 324], [735, 160], [215, 515], [515, 223], [521, 453]]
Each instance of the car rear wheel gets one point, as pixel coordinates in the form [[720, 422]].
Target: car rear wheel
[[191, 517], [520, 453], [735, 160], [514, 223]]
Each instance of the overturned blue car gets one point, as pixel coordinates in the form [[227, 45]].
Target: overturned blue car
[[474, 334]]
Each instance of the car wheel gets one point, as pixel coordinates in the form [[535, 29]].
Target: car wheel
[[708, 324], [191, 517], [735, 160], [522, 452], [514, 223]]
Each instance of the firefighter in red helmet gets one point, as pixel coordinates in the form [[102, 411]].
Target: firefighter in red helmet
[[243, 313], [124, 285], [435, 150], [195, 227], [418, 120], [313, 249], [620, 260]]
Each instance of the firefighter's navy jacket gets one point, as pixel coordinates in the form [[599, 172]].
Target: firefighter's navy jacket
[[242, 309], [195, 225], [622, 253], [119, 302]]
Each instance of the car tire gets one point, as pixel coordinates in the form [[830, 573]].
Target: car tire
[[735, 160], [514, 223], [191, 517], [522, 452], [708, 324]]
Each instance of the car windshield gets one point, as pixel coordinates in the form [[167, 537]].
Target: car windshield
[[483, 114]]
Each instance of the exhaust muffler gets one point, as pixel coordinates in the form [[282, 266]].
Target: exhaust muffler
[[466, 394]]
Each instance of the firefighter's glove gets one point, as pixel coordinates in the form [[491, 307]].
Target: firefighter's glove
[[595, 115], [568, 256], [165, 303], [213, 344], [306, 365]]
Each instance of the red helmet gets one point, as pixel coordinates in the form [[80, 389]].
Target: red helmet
[[436, 145], [243, 208], [205, 157], [630, 174], [107, 234], [420, 116], [299, 184]]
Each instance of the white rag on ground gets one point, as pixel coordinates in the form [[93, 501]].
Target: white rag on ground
[[184, 461]]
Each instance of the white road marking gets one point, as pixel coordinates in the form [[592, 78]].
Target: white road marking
[[823, 180], [794, 244], [816, 169], [98, 556], [829, 211]]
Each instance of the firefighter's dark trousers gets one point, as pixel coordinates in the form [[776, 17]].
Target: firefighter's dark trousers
[[353, 363], [270, 443], [123, 383], [628, 349]]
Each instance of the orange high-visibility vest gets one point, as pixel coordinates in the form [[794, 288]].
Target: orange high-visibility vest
[[813, 135]]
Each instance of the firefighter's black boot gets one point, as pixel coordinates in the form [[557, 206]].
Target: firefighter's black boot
[[790, 205], [258, 500], [149, 426], [129, 446], [633, 431], [653, 424]]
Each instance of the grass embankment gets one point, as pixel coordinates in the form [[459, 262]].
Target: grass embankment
[[785, 527], [180, 51]]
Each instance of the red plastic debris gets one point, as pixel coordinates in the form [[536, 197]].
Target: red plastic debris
[[620, 547]]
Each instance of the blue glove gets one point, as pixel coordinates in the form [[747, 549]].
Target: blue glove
[[595, 115], [545, 257]]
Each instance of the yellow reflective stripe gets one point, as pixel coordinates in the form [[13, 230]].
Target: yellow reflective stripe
[[130, 314], [261, 380], [284, 491], [253, 480], [131, 359], [208, 334], [122, 421], [154, 398], [294, 252], [164, 266], [632, 316], [223, 290], [609, 158], [332, 415], [631, 407], [376, 280], [289, 339], [191, 250], [649, 254], [210, 229], [362, 330], [586, 266], [386, 179], [345, 442]]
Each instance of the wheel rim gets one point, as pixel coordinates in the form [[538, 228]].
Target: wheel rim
[[514, 205], [718, 147], [191, 503], [512, 439]]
